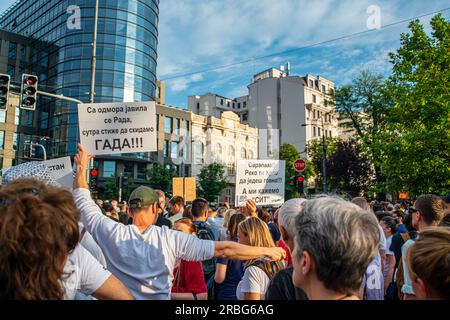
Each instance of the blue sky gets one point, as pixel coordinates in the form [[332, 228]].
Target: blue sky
[[199, 34]]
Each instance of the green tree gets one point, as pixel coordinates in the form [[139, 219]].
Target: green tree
[[366, 103], [160, 177], [315, 154], [111, 190], [416, 145], [211, 181], [289, 153], [351, 170]]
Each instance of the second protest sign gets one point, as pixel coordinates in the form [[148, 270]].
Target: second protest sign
[[261, 181], [109, 128]]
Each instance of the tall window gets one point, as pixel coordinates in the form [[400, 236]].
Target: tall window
[[187, 128], [168, 124], [166, 148], [230, 154], [17, 116], [250, 154], [311, 84], [314, 98], [2, 139], [243, 153], [219, 151], [314, 131], [323, 88], [174, 150], [178, 127], [142, 171], [128, 169], [244, 104], [109, 169], [12, 51], [2, 116], [15, 141]]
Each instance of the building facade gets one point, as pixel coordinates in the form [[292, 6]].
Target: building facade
[[125, 68], [18, 128], [285, 109], [223, 140]]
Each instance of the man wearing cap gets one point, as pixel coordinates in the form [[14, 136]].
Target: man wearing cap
[[142, 255]]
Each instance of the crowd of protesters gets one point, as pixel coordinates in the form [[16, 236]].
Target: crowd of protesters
[[58, 244]]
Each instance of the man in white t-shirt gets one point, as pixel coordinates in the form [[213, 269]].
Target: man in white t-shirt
[[143, 255]]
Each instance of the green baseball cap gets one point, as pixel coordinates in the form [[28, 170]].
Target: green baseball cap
[[143, 196]]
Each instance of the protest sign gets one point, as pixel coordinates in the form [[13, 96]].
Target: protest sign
[[261, 181], [61, 169], [110, 128]]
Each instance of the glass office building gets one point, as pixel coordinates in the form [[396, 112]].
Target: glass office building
[[126, 58]]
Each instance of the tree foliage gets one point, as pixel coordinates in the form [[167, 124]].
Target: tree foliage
[[160, 177], [416, 145], [111, 189], [351, 170], [289, 153], [366, 103], [211, 181], [315, 154]]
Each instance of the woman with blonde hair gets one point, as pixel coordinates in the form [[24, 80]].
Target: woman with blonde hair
[[428, 262], [258, 272]]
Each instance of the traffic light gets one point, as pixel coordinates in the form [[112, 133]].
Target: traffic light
[[93, 175], [300, 181], [4, 90], [28, 93]]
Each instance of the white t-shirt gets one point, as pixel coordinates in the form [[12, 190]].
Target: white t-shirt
[[90, 245], [83, 273], [143, 262], [253, 280], [382, 246], [388, 253]]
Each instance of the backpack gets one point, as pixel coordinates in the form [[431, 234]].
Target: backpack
[[258, 263], [400, 275], [204, 232]]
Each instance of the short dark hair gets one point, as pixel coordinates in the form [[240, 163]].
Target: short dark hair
[[430, 207], [199, 207], [177, 200], [390, 223]]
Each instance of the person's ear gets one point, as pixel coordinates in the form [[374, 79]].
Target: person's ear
[[307, 263], [155, 207], [422, 287]]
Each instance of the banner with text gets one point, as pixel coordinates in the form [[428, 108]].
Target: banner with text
[[61, 169], [109, 128], [261, 181]]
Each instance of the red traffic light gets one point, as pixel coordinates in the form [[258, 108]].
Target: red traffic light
[[31, 81], [300, 178], [94, 173]]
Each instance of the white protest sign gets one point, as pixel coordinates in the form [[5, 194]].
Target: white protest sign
[[261, 181], [109, 128], [61, 169]]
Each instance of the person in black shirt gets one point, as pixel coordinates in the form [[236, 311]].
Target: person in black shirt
[[281, 287]]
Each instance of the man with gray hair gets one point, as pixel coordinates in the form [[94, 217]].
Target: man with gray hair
[[334, 243], [281, 286]]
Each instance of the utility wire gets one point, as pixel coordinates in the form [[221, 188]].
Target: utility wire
[[301, 48]]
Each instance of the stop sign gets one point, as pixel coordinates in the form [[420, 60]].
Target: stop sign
[[299, 165]]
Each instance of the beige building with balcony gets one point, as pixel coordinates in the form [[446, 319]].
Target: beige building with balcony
[[284, 108], [224, 140]]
